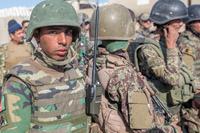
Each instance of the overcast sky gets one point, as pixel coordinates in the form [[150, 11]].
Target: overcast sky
[[24, 3]]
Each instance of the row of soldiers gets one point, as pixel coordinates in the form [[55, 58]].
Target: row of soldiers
[[144, 84]]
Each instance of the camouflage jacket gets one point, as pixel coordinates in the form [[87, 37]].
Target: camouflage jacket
[[188, 44], [41, 99], [164, 69]]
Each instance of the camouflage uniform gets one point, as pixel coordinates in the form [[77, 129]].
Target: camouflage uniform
[[84, 50], [41, 94], [143, 33], [189, 47], [146, 27], [189, 42], [126, 106], [84, 47], [163, 66]]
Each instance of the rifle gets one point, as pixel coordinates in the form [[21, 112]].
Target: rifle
[[94, 91], [161, 106], [156, 100]]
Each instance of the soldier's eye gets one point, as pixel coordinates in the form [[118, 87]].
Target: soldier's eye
[[53, 32], [68, 32]]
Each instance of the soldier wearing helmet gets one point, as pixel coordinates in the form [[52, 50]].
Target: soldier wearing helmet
[[126, 106], [159, 59], [46, 93], [189, 46], [146, 27]]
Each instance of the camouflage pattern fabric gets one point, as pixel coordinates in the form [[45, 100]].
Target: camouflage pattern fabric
[[154, 65], [84, 49], [41, 99], [188, 44], [165, 70], [191, 119], [143, 33], [119, 78]]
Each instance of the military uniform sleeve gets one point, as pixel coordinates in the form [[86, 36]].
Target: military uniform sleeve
[[166, 71], [187, 51], [188, 56], [17, 107]]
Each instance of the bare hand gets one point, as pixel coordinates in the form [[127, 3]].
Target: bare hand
[[171, 35]]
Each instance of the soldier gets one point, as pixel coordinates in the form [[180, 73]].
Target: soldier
[[126, 106], [145, 26], [46, 93], [159, 60], [190, 49], [189, 42]]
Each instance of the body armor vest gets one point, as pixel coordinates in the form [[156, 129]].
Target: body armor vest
[[169, 95], [62, 92], [138, 104]]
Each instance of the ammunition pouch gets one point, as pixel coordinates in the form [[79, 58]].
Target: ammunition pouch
[[138, 108], [182, 94]]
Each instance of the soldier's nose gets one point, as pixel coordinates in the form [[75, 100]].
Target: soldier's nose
[[62, 38]]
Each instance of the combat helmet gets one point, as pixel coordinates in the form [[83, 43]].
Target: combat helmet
[[115, 23], [164, 11], [193, 13], [53, 13]]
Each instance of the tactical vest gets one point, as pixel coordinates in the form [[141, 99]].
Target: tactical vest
[[171, 96], [138, 104], [62, 91]]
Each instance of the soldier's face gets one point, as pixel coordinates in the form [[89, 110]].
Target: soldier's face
[[146, 24], [196, 26], [177, 24], [55, 41]]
